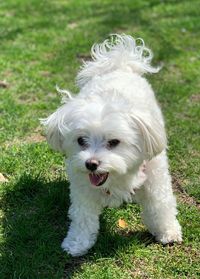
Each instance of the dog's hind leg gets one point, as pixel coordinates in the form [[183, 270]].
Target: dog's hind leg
[[158, 202]]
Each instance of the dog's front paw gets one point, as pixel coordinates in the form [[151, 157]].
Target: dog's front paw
[[74, 247], [170, 237]]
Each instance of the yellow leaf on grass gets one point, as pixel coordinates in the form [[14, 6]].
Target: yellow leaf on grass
[[3, 178], [122, 224]]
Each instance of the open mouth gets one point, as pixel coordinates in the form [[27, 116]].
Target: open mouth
[[98, 179]]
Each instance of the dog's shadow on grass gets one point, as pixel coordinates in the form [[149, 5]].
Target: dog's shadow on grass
[[109, 245], [34, 224]]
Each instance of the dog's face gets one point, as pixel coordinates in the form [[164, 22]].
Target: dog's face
[[102, 144], [101, 139]]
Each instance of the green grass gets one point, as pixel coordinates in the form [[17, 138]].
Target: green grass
[[42, 44]]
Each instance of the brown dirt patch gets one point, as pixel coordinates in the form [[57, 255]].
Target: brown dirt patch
[[195, 98], [72, 25], [183, 196], [35, 138], [4, 84]]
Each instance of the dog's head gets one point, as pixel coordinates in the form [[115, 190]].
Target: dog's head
[[103, 139]]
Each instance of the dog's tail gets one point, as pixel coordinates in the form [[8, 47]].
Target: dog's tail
[[117, 52]]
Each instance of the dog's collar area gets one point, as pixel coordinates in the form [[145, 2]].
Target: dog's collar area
[[106, 192]]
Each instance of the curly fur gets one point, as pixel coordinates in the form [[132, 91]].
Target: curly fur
[[118, 52], [114, 102]]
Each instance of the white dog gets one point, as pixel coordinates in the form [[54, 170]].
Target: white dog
[[112, 134]]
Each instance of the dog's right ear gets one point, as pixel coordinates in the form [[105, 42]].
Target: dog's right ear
[[56, 129], [56, 126]]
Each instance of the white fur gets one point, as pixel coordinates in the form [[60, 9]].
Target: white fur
[[115, 102]]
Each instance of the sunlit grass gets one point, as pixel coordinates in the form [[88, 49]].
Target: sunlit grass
[[43, 44]]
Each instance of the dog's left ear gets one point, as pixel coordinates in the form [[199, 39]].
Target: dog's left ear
[[152, 132]]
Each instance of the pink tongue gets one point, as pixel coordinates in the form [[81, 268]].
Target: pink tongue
[[96, 179]]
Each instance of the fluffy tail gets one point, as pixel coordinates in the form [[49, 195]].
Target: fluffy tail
[[117, 52]]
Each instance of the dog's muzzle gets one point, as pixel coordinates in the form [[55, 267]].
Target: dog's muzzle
[[92, 164]]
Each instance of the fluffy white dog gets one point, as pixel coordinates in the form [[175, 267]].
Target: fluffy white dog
[[112, 134]]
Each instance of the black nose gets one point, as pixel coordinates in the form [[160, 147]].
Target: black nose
[[92, 164]]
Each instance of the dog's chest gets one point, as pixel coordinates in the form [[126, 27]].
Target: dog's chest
[[122, 191], [115, 196]]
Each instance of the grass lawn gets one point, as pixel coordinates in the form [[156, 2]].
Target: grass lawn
[[43, 44]]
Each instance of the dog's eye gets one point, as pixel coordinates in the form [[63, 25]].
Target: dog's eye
[[113, 143], [82, 141]]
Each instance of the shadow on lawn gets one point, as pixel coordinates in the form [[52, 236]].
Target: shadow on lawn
[[34, 224]]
